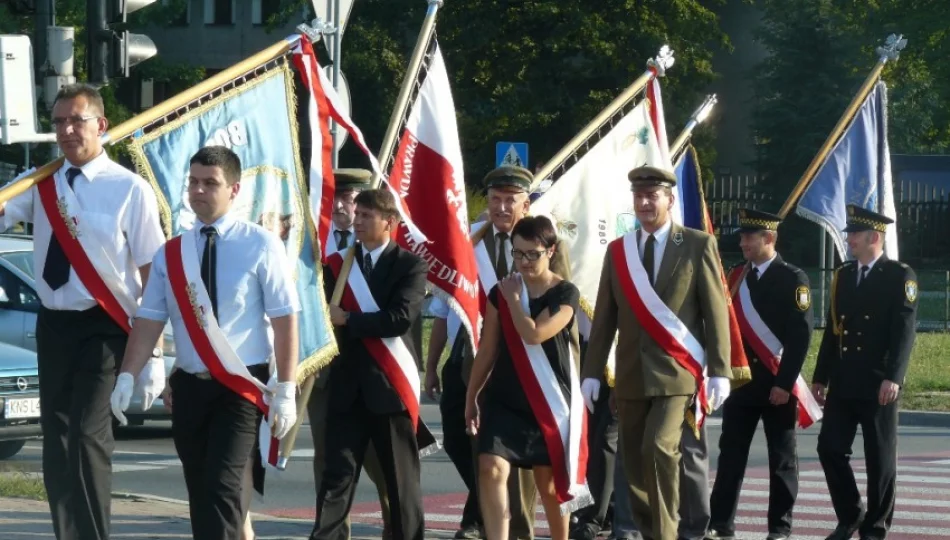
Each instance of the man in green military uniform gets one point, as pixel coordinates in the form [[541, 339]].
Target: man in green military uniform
[[861, 366], [661, 293]]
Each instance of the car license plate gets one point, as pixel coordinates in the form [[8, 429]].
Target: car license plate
[[21, 408]]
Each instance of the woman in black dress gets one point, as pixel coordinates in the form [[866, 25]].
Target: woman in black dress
[[498, 407]]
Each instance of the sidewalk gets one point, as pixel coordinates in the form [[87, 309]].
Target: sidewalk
[[148, 519]]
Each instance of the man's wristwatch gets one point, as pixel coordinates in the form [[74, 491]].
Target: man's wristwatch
[[157, 353]]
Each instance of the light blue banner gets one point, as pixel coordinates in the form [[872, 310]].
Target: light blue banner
[[257, 122], [856, 172]]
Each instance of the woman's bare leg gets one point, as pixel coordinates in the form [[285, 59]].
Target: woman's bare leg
[[493, 474], [544, 479]]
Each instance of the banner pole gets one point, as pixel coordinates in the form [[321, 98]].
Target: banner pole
[[130, 126], [889, 51], [698, 117], [405, 92]]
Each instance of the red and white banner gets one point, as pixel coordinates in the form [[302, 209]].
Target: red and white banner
[[85, 253], [324, 105], [184, 276], [392, 355], [429, 177], [657, 319], [562, 419], [768, 348]]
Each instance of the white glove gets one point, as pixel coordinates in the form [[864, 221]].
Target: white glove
[[283, 409], [122, 395], [717, 390], [152, 381], [590, 389]]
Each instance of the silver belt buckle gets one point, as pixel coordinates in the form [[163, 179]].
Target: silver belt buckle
[[204, 375]]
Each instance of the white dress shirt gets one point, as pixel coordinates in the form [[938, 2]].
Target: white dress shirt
[[764, 266], [870, 266], [350, 239], [659, 246], [375, 254], [254, 284], [117, 205]]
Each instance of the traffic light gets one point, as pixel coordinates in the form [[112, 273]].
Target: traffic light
[[112, 51]]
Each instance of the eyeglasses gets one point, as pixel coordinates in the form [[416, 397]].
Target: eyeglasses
[[532, 255], [73, 121]]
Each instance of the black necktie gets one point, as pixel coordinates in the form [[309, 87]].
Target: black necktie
[[863, 276], [209, 267], [341, 240], [648, 256], [753, 276], [367, 265], [56, 267], [501, 263]]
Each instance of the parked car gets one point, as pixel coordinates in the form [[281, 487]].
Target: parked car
[[19, 305], [19, 398]]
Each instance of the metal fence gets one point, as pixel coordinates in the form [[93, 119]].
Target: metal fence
[[923, 218]]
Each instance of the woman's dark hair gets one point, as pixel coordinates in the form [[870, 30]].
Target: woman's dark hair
[[536, 229]]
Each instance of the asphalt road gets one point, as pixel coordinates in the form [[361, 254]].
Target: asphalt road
[[145, 462]]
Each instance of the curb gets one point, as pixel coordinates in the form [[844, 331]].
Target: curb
[[923, 419], [144, 497]]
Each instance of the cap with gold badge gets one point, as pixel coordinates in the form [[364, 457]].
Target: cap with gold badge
[[861, 219], [751, 220]]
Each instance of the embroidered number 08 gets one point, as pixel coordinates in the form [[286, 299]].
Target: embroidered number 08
[[230, 136]]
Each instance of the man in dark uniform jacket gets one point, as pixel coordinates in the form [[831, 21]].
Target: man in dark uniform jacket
[[780, 294], [861, 366], [363, 404]]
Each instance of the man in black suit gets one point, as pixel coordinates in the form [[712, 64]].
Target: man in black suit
[[775, 293], [861, 363], [364, 404]]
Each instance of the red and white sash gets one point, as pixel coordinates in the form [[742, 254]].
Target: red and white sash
[[769, 350], [391, 354], [486, 270], [84, 250], [184, 276], [657, 319], [563, 419]]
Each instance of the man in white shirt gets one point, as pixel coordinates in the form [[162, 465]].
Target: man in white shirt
[[216, 412], [111, 216]]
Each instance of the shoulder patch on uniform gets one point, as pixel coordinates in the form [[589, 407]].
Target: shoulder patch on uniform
[[910, 290], [802, 297]]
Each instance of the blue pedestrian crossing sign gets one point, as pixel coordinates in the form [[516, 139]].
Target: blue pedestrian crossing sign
[[511, 153]]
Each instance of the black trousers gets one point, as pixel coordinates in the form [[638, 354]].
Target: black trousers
[[215, 431], [879, 428], [740, 417], [348, 433], [79, 353], [602, 439], [458, 445]]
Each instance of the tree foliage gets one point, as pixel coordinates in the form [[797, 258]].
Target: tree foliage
[[529, 71], [820, 51]]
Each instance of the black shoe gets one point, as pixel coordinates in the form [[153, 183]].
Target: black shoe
[[777, 536], [587, 531], [713, 534], [844, 532], [469, 532]]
